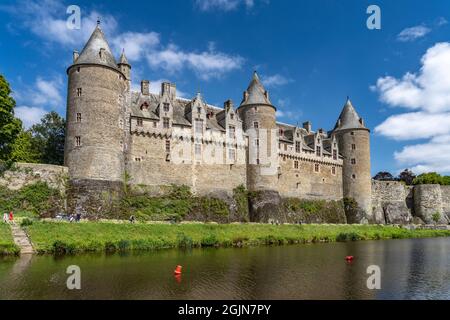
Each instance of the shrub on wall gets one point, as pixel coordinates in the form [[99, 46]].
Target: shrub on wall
[[314, 211], [432, 178]]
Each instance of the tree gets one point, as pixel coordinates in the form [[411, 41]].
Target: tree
[[10, 126], [407, 176], [49, 137], [432, 178], [384, 176], [24, 149]]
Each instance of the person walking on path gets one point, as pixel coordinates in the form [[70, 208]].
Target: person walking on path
[[5, 217], [11, 216]]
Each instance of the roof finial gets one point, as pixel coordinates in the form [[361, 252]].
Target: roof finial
[[98, 21]]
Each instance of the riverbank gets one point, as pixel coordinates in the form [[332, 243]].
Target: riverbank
[[7, 245], [72, 238]]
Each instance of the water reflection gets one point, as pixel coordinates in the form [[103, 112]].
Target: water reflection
[[411, 269]]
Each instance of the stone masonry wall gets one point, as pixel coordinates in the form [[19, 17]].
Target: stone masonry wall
[[391, 202]]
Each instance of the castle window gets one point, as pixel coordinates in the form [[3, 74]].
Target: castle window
[[144, 105], [353, 161], [256, 125], [168, 146], [257, 142], [199, 126], [257, 161], [232, 154], [318, 151], [232, 116], [334, 154], [298, 146], [354, 176], [155, 124], [78, 69], [333, 170], [295, 164], [137, 159], [232, 132], [140, 122], [78, 141], [352, 133], [78, 117], [198, 151], [353, 146], [281, 132], [285, 147], [79, 91], [316, 167], [166, 123], [166, 107]]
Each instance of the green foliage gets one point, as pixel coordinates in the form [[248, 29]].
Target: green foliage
[[432, 178], [7, 245], [26, 222], [37, 198], [180, 192], [436, 217], [240, 196], [351, 208], [24, 149], [212, 206], [68, 238], [315, 211], [10, 126], [384, 176], [407, 176], [49, 137]]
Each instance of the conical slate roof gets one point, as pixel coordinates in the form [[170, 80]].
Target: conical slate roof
[[349, 118], [123, 59], [256, 93], [91, 51]]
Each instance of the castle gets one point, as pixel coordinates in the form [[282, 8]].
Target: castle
[[160, 139]]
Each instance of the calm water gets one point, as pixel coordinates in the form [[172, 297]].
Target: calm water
[[411, 269]]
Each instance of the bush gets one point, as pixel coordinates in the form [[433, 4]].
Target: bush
[[432, 178], [183, 241], [210, 241], [26, 222], [347, 236]]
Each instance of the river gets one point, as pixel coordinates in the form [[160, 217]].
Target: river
[[410, 269]]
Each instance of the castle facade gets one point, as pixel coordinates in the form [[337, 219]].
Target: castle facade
[[155, 140]]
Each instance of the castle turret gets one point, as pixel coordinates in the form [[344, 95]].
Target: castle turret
[[124, 66], [259, 122], [354, 144], [95, 135]]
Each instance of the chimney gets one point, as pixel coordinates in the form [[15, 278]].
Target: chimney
[[228, 105], [169, 89], [145, 87], [307, 126], [75, 55]]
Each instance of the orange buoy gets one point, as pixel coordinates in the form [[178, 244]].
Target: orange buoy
[[178, 269], [349, 258]]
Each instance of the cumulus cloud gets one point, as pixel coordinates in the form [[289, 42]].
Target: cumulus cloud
[[29, 115], [426, 94], [275, 80], [413, 33], [206, 65], [223, 5], [135, 44]]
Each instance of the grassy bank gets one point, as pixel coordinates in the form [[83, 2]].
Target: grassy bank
[[7, 245], [65, 238]]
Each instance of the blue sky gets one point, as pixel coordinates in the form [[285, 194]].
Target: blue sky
[[311, 55]]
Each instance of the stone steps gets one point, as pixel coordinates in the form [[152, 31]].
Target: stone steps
[[21, 239]]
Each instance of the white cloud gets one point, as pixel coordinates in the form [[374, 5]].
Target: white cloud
[[29, 115], [206, 65], [135, 43], [47, 92], [413, 33], [275, 80], [223, 5], [427, 93]]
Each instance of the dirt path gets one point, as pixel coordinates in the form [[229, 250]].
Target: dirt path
[[21, 239]]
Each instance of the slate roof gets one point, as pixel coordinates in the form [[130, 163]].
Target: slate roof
[[349, 118], [255, 93]]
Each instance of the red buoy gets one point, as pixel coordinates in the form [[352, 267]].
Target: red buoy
[[349, 258], [178, 269]]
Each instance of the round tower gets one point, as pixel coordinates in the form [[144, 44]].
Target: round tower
[[259, 122], [94, 148], [354, 144]]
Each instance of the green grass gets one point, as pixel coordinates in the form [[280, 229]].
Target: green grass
[[65, 238], [7, 245]]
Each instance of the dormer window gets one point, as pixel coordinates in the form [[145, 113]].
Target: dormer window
[[144, 106], [256, 125], [166, 107], [101, 54], [334, 154], [232, 116], [232, 132], [199, 110], [297, 146], [140, 122], [318, 151]]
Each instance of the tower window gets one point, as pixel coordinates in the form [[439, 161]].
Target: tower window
[[198, 151], [168, 146], [256, 125], [232, 154], [199, 126], [155, 124], [353, 161], [140, 122], [297, 146], [318, 151], [333, 170], [232, 132], [166, 123], [78, 69], [334, 154], [79, 92], [78, 117], [232, 116], [295, 164], [166, 107], [352, 133], [316, 167], [354, 176], [353, 146], [78, 141]]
